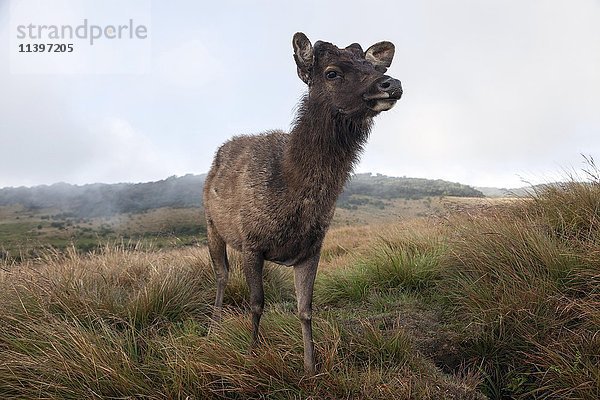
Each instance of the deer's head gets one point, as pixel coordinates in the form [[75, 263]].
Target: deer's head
[[349, 80]]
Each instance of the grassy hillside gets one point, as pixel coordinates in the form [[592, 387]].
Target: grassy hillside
[[27, 234], [497, 301], [169, 213]]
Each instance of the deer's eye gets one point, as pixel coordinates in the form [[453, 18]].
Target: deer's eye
[[331, 74]]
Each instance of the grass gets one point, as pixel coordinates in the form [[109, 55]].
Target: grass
[[519, 283], [501, 302], [402, 259], [132, 324], [27, 233], [524, 283]]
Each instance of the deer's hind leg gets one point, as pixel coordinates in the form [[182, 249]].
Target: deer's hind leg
[[252, 264], [218, 256]]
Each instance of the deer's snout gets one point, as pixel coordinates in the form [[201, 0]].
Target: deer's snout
[[391, 86], [383, 94]]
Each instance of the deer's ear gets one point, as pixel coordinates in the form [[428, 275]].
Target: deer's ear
[[380, 55], [303, 54]]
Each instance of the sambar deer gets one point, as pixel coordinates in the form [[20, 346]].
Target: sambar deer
[[272, 196]]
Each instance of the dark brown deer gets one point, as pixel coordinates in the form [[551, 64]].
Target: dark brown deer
[[272, 196]]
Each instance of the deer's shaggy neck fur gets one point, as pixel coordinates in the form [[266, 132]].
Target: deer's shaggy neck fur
[[322, 150]]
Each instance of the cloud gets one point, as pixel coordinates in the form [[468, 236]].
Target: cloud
[[117, 151], [189, 64], [59, 127], [39, 142], [493, 91], [43, 142], [43, 139]]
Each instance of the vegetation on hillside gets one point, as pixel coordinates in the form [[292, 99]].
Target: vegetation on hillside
[[101, 200], [27, 234], [372, 189], [503, 303]]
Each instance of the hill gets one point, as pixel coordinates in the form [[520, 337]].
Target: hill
[[99, 200], [380, 187], [168, 213], [525, 191], [96, 200]]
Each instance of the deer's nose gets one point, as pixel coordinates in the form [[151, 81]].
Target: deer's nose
[[391, 86]]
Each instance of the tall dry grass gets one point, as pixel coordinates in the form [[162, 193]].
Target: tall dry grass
[[133, 324], [525, 281], [517, 285], [503, 303]]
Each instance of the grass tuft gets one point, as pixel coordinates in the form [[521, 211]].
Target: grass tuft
[[400, 260]]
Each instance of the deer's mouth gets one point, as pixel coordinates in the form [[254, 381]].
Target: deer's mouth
[[381, 104], [381, 101]]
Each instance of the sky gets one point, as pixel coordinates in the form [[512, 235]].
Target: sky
[[496, 92]]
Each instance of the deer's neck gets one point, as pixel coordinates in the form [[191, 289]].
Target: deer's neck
[[322, 150]]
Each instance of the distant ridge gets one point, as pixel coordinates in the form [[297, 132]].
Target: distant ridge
[[95, 200], [514, 192], [386, 187], [100, 199]]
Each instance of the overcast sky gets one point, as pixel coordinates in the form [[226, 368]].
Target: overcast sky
[[494, 91]]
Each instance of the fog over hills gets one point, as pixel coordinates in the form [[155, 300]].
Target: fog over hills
[[99, 199]]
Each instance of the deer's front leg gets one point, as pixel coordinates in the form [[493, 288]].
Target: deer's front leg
[[304, 280]]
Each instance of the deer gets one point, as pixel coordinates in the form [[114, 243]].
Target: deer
[[272, 196]]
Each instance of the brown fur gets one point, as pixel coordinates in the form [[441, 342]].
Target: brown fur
[[272, 196]]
